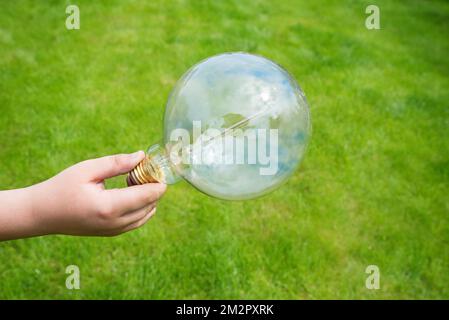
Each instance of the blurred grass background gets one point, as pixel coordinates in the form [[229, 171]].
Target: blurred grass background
[[373, 188]]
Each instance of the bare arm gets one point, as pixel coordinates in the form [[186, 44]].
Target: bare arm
[[75, 202]]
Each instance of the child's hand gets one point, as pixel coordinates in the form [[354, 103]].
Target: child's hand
[[75, 202]]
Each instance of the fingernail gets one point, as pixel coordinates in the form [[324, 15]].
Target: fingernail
[[136, 155]]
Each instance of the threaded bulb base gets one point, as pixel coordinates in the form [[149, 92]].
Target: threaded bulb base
[[144, 172], [155, 168]]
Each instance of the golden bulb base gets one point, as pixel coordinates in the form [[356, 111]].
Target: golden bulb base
[[144, 172]]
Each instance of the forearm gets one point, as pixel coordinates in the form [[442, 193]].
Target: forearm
[[17, 217]]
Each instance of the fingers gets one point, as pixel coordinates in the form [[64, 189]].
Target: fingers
[[139, 223], [135, 220], [135, 197], [111, 166], [136, 215]]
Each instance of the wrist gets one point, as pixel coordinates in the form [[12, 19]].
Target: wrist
[[37, 210]]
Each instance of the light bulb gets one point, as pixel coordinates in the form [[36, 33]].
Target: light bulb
[[236, 126]]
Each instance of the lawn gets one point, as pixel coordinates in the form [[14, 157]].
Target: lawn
[[373, 187]]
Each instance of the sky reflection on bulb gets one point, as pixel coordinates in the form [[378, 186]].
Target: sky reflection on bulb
[[244, 92]]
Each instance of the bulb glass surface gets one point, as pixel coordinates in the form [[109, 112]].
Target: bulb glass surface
[[241, 95]]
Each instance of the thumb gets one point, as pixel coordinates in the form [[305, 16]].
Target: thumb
[[111, 166]]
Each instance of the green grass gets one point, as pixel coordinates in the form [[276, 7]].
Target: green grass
[[373, 188]]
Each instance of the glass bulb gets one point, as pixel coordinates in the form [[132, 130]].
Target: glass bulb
[[236, 126]]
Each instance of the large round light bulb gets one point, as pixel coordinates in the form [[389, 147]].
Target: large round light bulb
[[236, 126]]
